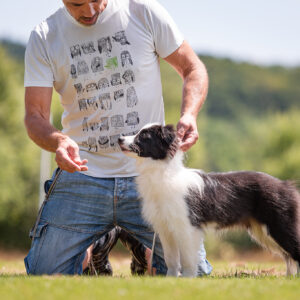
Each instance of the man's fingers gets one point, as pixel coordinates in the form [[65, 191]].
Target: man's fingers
[[187, 132], [65, 162], [180, 132], [84, 162], [82, 166], [68, 165], [188, 141], [74, 154], [181, 129]]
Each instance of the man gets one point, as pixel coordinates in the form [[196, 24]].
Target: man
[[102, 57]]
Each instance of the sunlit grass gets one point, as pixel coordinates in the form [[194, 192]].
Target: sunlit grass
[[229, 280]]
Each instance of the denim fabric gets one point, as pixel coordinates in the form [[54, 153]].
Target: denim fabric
[[79, 210], [204, 267]]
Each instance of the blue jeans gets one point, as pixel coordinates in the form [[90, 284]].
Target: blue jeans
[[77, 211]]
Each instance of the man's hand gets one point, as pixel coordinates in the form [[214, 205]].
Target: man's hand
[[187, 132], [67, 156], [40, 130]]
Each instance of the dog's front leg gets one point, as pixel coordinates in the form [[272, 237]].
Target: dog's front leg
[[171, 253], [189, 247]]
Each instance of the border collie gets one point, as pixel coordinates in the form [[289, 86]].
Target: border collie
[[180, 202]]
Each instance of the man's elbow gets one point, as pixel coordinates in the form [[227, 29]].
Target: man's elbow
[[27, 123], [30, 122]]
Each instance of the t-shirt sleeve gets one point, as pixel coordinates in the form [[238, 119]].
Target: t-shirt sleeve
[[167, 37], [38, 70]]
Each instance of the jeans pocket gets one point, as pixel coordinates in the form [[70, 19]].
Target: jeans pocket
[[37, 231], [37, 234], [47, 185]]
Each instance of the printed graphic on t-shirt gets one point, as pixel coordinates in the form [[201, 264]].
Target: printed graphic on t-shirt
[[92, 143], [82, 104], [120, 37], [126, 59], [73, 71], [82, 67], [91, 87], [114, 140], [103, 142], [104, 79], [112, 63], [131, 96], [105, 46], [105, 101], [103, 84], [78, 87], [88, 48], [75, 51], [118, 95], [97, 64], [92, 102], [132, 119], [104, 124], [115, 79], [117, 121], [128, 77]]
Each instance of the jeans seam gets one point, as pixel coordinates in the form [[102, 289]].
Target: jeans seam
[[71, 228], [115, 202]]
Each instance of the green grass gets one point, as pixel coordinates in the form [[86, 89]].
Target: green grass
[[229, 281]]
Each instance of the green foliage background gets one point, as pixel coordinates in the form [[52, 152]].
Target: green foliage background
[[251, 120]]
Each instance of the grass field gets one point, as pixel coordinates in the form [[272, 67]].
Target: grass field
[[230, 280]]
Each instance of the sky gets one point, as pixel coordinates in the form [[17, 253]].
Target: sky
[[259, 31]]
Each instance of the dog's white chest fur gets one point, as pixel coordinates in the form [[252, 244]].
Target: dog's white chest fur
[[163, 200], [163, 187]]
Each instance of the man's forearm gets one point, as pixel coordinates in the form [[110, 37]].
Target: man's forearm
[[195, 89], [195, 86], [43, 133]]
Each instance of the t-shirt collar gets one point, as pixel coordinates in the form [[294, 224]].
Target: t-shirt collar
[[99, 20]]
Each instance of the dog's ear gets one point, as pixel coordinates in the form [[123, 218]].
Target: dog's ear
[[168, 133]]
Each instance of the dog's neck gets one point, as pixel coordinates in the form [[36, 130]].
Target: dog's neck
[[172, 165]]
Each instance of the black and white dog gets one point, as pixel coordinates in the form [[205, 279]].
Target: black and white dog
[[180, 202]]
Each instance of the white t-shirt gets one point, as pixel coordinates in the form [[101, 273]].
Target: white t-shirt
[[107, 75]]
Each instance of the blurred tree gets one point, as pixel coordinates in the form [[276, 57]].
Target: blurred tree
[[19, 160], [281, 151]]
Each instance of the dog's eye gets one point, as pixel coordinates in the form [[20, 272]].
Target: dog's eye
[[145, 135]]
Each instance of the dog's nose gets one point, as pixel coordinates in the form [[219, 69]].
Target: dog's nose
[[120, 140]]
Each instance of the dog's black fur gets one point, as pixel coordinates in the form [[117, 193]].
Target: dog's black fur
[[234, 198]]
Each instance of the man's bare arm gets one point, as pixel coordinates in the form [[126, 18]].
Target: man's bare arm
[[40, 130], [195, 87]]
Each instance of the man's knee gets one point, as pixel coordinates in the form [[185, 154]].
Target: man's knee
[[56, 251]]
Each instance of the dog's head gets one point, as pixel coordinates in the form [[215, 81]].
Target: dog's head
[[153, 141]]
